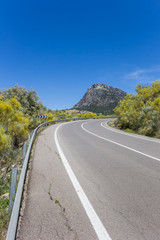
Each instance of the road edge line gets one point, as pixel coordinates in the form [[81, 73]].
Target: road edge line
[[121, 145], [96, 223], [129, 134]]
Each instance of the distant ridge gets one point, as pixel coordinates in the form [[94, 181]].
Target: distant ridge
[[100, 98]]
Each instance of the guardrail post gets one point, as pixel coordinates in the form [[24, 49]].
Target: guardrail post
[[12, 188], [24, 151], [29, 138]]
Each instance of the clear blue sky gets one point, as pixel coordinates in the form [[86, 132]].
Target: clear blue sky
[[60, 48]]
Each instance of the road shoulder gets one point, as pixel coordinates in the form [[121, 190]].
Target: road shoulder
[[52, 208]]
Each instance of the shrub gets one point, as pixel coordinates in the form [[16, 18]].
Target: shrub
[[141, 112], [5, 140]]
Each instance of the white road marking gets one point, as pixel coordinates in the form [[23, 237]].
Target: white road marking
[[121, 145], [98, 226], [130, 134]]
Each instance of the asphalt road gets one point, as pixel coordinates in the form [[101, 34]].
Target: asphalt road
[[119, 174]]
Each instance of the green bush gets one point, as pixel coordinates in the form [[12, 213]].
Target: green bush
[[141, 112]]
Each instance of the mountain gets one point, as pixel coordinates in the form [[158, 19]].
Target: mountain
[[100, 98]]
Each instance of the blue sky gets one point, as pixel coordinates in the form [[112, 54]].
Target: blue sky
[[60, 48]]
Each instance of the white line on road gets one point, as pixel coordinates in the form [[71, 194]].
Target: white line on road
[[121, 145], [93, 217], [129, 134]]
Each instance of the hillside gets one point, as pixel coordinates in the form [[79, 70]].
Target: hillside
[[100, 98]]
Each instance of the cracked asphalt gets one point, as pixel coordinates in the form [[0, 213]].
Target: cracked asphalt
[[51, 209], [122, 185]]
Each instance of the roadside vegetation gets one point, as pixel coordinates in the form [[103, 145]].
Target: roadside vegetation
[[17, 106], [18, 117], [140, 112]]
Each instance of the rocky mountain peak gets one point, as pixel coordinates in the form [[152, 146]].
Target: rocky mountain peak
[[100, 98], [99, 86]]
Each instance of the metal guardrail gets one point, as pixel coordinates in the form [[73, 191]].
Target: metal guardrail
[[12, 229]]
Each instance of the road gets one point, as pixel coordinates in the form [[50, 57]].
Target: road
[[115, 189]]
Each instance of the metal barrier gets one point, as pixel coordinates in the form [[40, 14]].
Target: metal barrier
[[12, 229]]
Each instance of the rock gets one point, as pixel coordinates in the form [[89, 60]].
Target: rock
[[100, 98], [5, 196]]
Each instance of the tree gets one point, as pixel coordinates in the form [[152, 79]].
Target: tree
[[141, 112], [13, 120], [27, 98], [5, 141]]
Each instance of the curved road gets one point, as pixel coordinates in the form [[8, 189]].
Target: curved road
[[119, 174]]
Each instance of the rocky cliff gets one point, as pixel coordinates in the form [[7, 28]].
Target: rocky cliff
[[100, 98]]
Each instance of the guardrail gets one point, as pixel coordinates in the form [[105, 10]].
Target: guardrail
[[12, 229]]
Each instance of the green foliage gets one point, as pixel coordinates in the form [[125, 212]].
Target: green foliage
[[27, 98], [99, 109], [18, 111], [14, 123], [129, 130], [50, 117], [4, 202], [87, 115], [28, 104], [141, 112], [5, 140], [4, 216]]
